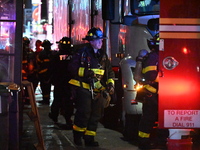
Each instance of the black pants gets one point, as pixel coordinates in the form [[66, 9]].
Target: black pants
[[62, 103], [33, 78], [88, 111], [46, 90], [150, 114]]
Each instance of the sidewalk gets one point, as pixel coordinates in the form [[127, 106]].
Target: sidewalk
[[56, 137]]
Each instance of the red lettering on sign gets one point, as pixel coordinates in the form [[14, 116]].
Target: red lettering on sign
[[186, 112], [177, 124]]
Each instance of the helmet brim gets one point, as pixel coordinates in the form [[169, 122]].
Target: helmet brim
[[47, 45], [88, 38]]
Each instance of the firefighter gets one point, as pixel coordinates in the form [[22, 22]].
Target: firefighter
[[93, 81], [28, 63], [38, 49], [62, 103], [44, 62], [149, 79]]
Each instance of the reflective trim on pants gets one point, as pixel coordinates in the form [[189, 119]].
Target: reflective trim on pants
[[91, 133], [143, 134], [76, 128]]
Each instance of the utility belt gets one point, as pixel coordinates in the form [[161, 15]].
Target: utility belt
[[150, 88], [144, 91], [100, 93]]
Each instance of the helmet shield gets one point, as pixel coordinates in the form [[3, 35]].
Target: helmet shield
[[94, 34], [64, 44], [65, 41]]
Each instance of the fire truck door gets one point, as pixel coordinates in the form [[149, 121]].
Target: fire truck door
[[179, 91]]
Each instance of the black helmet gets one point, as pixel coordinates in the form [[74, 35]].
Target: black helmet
[[154, 43], [65, 45], [46, 43], [38, 42], [94, 34], [65, 42], [26, 40]]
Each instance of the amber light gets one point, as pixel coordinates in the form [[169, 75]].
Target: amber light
[[125, 86], [138, 86], [185, 50]]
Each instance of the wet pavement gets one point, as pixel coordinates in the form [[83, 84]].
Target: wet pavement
[[57, 137]]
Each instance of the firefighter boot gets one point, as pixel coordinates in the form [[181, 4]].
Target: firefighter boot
[[89, 141], [69, 124], [53, 117], [78, 137], [145, 143]]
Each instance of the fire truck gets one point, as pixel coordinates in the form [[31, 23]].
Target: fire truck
[[128, 24]]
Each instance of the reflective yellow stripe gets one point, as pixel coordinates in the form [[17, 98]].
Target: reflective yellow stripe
[[77, 83], [23, 71], [24, 78], [92, 133], [39, 60], [98, 85], [99, 88], [187, 28], [150, 88], [149, 68], [24, 61], [157, 78], [81, 71], [76, 128], [110, 81], [44, 70], [143, 134], [46, 60], [186, 21], [98, 71]]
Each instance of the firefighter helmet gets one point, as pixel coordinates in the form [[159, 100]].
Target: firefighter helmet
[[65, 42], [65, 45], [26, 40], [46, 43], [94, 34], [38, 42], [154, 43]]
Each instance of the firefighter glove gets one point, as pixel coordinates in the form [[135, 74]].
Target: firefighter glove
[[110, 88], [106, 98], [141, 55]]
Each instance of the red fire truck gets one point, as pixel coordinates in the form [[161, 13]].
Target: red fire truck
[[179, 50]]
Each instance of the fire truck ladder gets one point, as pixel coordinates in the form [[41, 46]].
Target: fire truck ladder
[[34, 115]]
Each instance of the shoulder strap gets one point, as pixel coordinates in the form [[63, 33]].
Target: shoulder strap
[[83, 57], [103, 61]]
